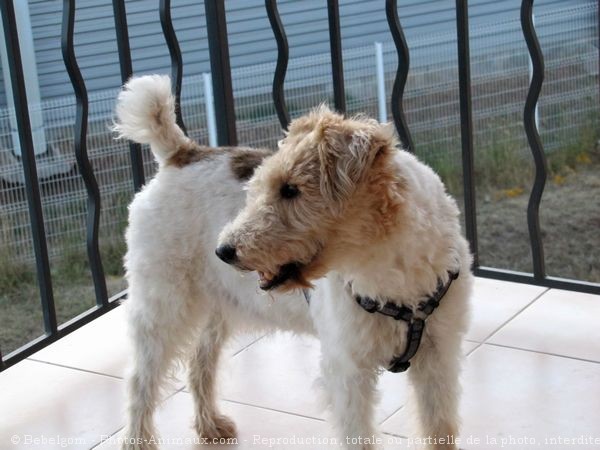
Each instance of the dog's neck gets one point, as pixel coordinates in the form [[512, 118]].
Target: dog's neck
[[396, 269], [417, 246]]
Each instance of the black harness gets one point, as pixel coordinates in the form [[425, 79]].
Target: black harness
[[414, 319]]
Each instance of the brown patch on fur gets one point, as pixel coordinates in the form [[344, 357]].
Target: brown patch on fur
[[376, 209], [189, 153], [385, 190], [358, 173], [243, 161]]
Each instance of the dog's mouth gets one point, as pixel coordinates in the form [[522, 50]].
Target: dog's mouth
[[287, 272]]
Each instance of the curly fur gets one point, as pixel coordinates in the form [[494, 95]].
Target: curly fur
[[368, 215]]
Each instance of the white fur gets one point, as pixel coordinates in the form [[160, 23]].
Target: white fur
[[184, 301]]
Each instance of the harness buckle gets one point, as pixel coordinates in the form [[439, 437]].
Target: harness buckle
[[428, 306], [368, 304]]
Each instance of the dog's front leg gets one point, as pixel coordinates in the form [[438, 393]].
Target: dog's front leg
[[434, 374], [350, 391]]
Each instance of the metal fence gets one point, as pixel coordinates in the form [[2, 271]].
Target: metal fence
[[442, 103], [430, 98]]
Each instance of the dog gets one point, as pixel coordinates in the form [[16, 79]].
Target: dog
[[337, 223]]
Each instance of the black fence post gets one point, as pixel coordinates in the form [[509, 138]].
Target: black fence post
[[535, 144], [81, 153], [135, 149], [29, 165], [391, 12], [466, 125], [166, 22], [216, 26], [337, 59], [282, 62]]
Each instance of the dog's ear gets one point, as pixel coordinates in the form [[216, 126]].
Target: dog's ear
[[347, 149]]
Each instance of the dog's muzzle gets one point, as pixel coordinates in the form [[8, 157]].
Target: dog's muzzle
[[267, 281]]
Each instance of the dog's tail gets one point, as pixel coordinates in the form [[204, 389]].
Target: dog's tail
[[146, 114]]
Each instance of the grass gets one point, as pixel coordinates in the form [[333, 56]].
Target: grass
[[502, 158], [13, 274], [21, 319]]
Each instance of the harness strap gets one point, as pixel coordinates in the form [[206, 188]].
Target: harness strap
[[401, 363], [416, 325]]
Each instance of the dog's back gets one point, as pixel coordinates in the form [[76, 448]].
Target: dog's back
[[175, 220]]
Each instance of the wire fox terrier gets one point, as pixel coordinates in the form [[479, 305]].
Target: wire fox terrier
[[336, 222]]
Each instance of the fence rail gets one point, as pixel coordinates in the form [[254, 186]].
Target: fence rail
[[351, 85]]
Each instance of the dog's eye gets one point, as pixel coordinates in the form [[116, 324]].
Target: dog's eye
[[289, 190]]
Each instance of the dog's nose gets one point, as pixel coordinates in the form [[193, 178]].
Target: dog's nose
[[226, 253]]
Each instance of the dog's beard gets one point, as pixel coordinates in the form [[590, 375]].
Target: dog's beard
[[288, 273], [294, 276]]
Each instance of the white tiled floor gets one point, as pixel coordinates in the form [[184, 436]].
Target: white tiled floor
[[532, 373]]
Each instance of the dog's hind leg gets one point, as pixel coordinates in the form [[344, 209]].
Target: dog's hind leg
[[434, 374], [203, 362], [160, 325]]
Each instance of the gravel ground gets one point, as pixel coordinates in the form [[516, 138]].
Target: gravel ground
[[570, 223]]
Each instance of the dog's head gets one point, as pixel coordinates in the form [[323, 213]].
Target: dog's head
[[331, 189]]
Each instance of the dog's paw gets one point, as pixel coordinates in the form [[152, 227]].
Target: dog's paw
[[220, 427]]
